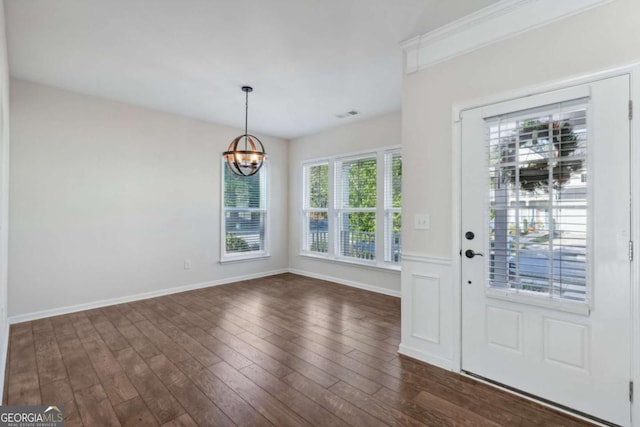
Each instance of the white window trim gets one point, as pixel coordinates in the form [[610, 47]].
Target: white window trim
[[339, 209], [306, 209], [333, 253], [387, 206], [253, 255]]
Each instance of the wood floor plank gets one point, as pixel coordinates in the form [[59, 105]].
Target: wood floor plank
[[50, 365], [94, 407], [263, 402], [132, 315], [115, 316], [119, 388], [403, 401], [79, 367], [326, 365], [134, 413], [460, 416], [222, 395], [196, 403], [199, 407], [172, 350], [57, 392], [217, 347], [192, 346], [24, 389], [60, 393], [110, 335], [373, 406], [252, 353], [85, 329], [138, 341], [280, 350], [298, 402], [301, 366], [158, 399], [105, 365], [24, 384], [182, 421], [333, 403], [364, 370]]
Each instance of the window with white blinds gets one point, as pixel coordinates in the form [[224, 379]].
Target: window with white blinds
[[352, 208], [392, 206], [244, 216], [356, 207], [316, 208], [539, 201]]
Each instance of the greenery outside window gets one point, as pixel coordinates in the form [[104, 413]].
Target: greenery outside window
[[392, 206], [244, 215], [316, 208], [356, 207], [352, 208]]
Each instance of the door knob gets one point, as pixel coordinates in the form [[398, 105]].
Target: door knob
[[469, 253]]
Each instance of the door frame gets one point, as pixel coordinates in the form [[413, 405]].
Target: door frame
[[633, 70]]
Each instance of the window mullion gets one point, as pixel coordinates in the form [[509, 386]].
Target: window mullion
[[381, 202], [331, 210]]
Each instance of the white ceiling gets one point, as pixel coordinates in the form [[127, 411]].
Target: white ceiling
[[308, 60]]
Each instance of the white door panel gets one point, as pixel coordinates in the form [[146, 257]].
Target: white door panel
[[545, 191]]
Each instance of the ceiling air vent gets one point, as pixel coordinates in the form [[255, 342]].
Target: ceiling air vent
[[347, 114]]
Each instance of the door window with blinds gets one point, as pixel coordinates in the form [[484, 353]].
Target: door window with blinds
[[244, 216], [539, 201], [352, 208]]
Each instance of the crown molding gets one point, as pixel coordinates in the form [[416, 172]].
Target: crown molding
[[500, 21]]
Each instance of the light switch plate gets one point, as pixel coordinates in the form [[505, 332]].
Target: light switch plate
[[422, 222]]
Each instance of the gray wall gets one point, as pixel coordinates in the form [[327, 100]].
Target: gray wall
[[108, 200], [370, 134], [4, 195]]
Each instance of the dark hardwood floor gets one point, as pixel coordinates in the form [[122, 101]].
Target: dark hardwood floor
[[283, 350]]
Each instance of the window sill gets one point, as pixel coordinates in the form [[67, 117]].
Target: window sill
[[370, 265], [229, 259]]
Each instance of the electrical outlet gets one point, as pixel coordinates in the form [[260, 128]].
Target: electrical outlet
[[187, 264], [422, 222]]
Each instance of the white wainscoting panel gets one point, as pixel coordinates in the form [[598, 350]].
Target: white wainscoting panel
[[425, 304], [427, 290]]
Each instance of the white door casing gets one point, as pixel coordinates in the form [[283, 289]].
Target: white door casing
[[572, 350]]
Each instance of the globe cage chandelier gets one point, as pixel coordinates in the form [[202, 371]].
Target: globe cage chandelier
[[245, 155]]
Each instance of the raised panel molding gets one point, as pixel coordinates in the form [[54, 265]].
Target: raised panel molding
[[500, 21], [504, 329], [425, 301], [566, 344], [427, 309]]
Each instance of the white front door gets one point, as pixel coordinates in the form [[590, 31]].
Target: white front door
[[545, 200]]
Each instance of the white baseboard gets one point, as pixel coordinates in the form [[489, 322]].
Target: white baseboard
[[4, 356], [129, 298], [431, 359], [351, 283]]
